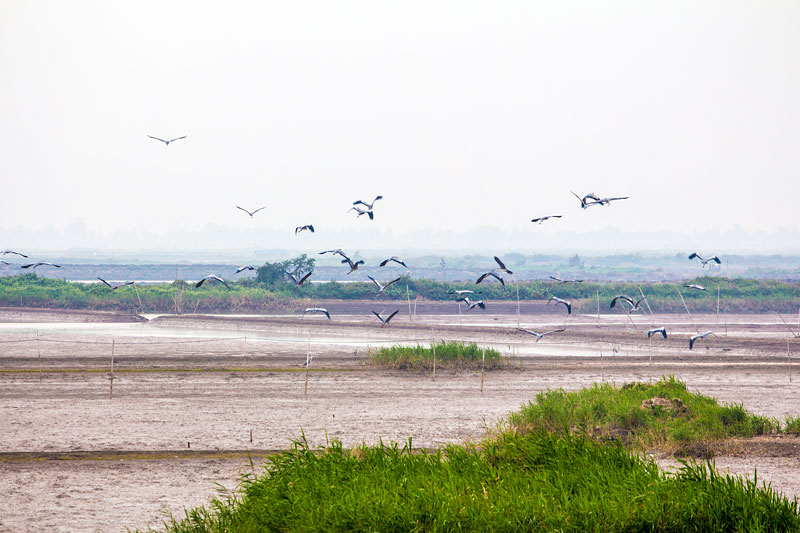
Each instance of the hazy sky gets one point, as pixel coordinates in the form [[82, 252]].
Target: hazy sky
[[462, 115]]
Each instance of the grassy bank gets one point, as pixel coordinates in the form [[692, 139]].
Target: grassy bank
[[451, 355], [736, 295], [663, 415], [541, 472]]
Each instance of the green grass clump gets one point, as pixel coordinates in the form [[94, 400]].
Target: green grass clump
[[662, 415], [456, 355], [534, 482], [791, 424]]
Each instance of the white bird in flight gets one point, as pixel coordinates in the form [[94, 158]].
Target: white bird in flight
[[542, 219], [166, 143], [654, 331], [365, 204], [700, 336], [211, 277], [492, 274], [299, 281], [695, 287], [317, 310], [387, 319], [565, 303], [309, 227], [382, 287], [243, 268], [251, 213], [40, 263], [563, 281], [705, 261], [395, 259], [472, 305], [540, 335], [115, 287], [13, 252]]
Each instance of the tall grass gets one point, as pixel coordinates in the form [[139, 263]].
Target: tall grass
[[534, 482], [676, 421], [454, 355]]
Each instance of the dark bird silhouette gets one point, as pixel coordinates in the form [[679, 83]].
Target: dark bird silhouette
[[381, 287], [395, 259], [365, 204], [471, 305], [563, 281], [13, 252], [360, 211], [705, 261], [308, 361], [592, 199], [40, 263], [212, 277], [309, 227], [558, 300], [353, 266], [700, 336], [243, 268], [502, 266], [540, 335], [387, 319], [630, 301], [317, 310], [166, 143], [661, 330], [492, 274], [337, 251], [4, 262], [542, 219], [251, 213], [299, 281], [695, 287], [115, 287]]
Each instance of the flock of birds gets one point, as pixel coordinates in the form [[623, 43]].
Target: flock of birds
[[362, 207]]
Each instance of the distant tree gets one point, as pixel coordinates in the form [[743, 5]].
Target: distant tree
[[575, 261], [272, 274]]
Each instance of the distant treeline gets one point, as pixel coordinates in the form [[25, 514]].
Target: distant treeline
[[735, 295]]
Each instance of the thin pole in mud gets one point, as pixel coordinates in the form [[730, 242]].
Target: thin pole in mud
[[483, 364], [787, 325], [717, 304], [251, 435], [650, 350], [308, 364], [39, 351], [111, 380], [648, 306], [517, 286], [408, 297], [139, 298], [433, 344], [597, 293], [602, 369], [789, 357], [244, 367], [687, 310]]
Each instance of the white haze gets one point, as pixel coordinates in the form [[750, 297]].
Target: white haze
[[469, 118]]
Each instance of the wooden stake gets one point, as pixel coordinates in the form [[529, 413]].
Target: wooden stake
[[602, 369], [308, 353], [789, 357], [517, 286], [138, 298], [597, 293], [39, 351], [245, 353], [483, 364], [787, 325], [111, 381], [251, 435], [433, 343], [717, 304], [650, 343], [687, 310], [408, 297]]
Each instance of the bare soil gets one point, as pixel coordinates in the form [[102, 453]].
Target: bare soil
[[77, 454]]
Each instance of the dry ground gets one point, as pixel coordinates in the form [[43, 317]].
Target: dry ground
[[189, 390]]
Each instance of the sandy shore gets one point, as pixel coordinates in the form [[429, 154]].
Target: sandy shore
[[188, 391]]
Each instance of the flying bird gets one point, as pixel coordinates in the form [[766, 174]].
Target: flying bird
[[542, 219], [395, 259], [308, 361], [661, 330], [502, 266], [4, 262], [210, 278], [337, 251], [251, 213], [461, 292], [115, 287], [365, 204], [387, 319], [705, 261], [471, 305], [382, 288], [317, 310], [40, 263], [484, 276], [540, 335], [13, 252], [353, 266], [299, 281], [700, 336], [243, 268], [362, 211], [583, 201], [558, 300], [695, 287], [563, 281], [166, 143], [309, 227], [630, 301]]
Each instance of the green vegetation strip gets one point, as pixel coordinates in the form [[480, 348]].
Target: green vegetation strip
[[452, 354], [736, 295], [662, 415], [539, 472]]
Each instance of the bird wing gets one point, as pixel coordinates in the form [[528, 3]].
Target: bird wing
[[553, 331], [556, 279], [379, 316], [383, 263], [106, 283], [156, 138], [481, 278], [693, 255], [178, 138], [380, 287], [503, 283], [388, 318], [529, 332], [480, 304], [393, 281], [257, 210], [13, 252], [716, 260], [245, 210], [304, 278], [327, 314], [399, 261], [497, 260]]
